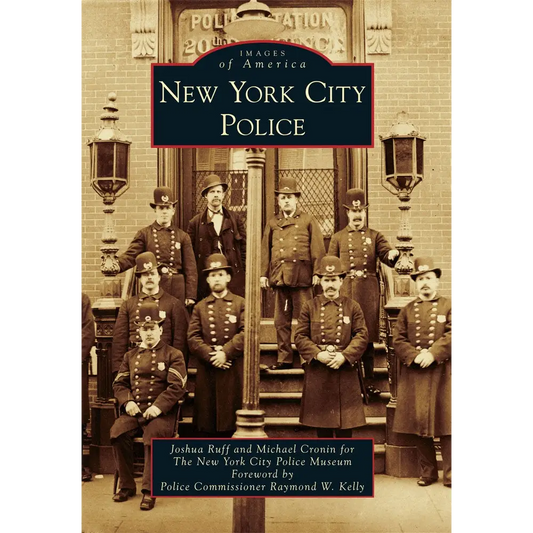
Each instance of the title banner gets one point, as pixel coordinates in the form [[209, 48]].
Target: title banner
[[263, 467], [260, 94]]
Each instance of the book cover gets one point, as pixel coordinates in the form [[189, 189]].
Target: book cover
[[408, 45]]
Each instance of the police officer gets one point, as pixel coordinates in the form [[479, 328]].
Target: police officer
[[423, 343], [171, 246], [150, 382], [291, 248], [331, 337], [218, 230], [126, 334], [216, 338], [359, 248]]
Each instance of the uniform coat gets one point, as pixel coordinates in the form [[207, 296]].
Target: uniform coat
[[148, 377], [126, 332], [331, 398], [171, 247], [218, 393], [359, 251], [291, 250], [424, 394], [231, 242], [87, 342]]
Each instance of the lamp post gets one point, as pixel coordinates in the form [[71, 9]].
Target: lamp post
[[402, 170], [254, 21], [109, 153]]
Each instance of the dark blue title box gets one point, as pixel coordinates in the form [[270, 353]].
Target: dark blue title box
[[260, 94], [257, 467]]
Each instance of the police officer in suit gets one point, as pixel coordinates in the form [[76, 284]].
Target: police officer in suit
[[218, 230], [359, 248], [291, 249], [216, 338], [87, 342], [148, 386], [126, 334], [423, 343], [331, 337], [171, 246]]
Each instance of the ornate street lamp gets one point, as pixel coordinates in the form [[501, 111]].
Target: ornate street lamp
[[402, 170], [109, 159], [254, 22]]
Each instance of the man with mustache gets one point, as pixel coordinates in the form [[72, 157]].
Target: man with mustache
[[291, 249], [171, 246], [151, 380], [216, 338], [331, 337], [423, 343], [126, 333], [218, 230], [359, 249]]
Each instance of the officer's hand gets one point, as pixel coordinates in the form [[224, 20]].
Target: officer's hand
[[219, 360], [337, 361], [316, 280], [427, 359], [152, 412], [189, 302], [393, 254], [418, 358], [263, 280], [324, 357], [132, 408]]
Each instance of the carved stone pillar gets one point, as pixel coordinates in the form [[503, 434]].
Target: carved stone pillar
[[378, 26], [143, 27]]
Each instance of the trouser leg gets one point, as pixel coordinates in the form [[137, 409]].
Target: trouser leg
[[282, 322], [123, 452], [446, 449], [368, 361], [343, 433], [147, 472], [427, 460], [324, 433]]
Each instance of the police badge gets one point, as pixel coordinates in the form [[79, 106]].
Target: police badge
[[178, 246], [232, 319], [161, 366]]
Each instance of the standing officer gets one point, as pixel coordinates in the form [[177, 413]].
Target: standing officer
[[171, 246], [218, 230], [151, 380], [331, 337], [423, 343], [87, 342], [359, 249], [291, 249], [216, 338], [126, 334]]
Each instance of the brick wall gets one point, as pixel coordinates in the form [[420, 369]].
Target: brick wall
[[416, 78], [107, 66]]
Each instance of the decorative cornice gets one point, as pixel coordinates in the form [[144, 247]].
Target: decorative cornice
[[378, 24], [143, 27]]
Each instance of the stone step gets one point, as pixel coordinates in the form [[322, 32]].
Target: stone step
[[287, 404]]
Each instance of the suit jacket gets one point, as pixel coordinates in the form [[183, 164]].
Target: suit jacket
[[359, 252], [126, 332], [231, 242], [424, 394], [291, 250], [148, 377], [331, 398], [218, 393], [172, 247]]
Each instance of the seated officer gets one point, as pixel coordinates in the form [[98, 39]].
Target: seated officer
[[151, 380], [331, 337]]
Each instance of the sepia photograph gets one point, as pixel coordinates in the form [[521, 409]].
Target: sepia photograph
[[278, 292]]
